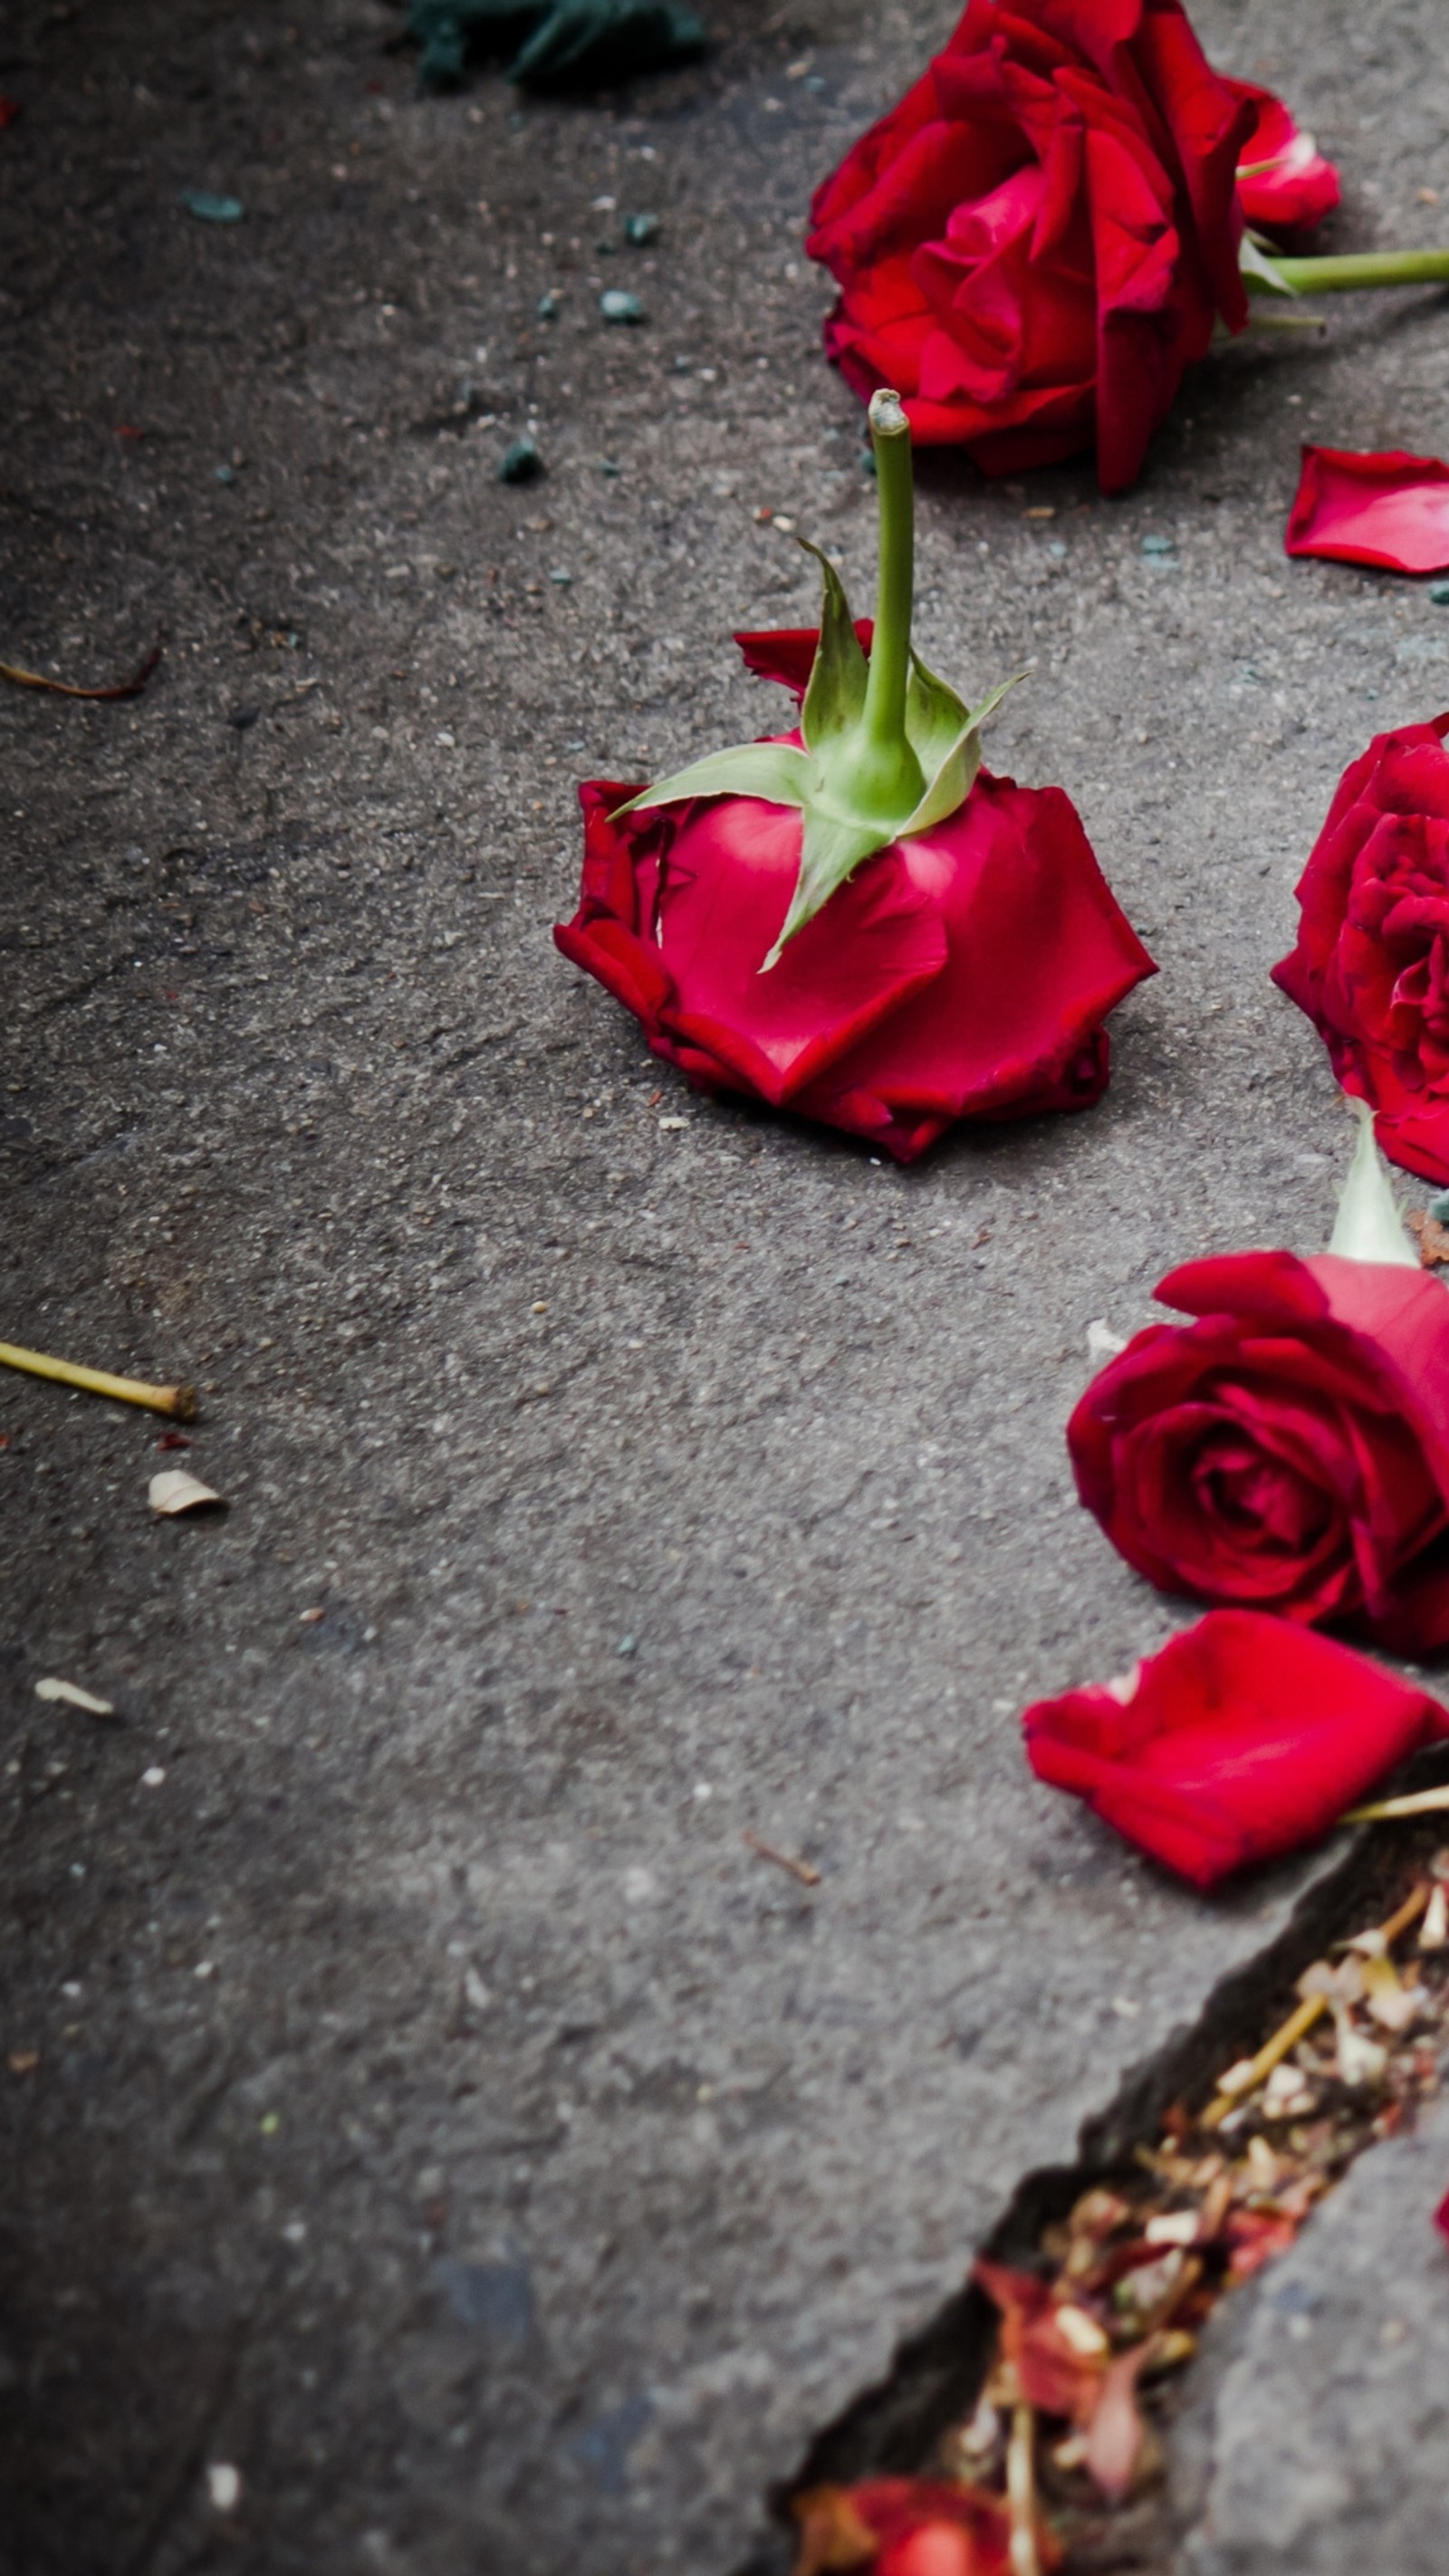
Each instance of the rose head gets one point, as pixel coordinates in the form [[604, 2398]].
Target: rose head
[[1040, 237], [1371, 967], [1244, 1737], [854, 920], [1289, 1449]]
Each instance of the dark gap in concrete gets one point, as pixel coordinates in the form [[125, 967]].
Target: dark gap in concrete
[[892, 2428]]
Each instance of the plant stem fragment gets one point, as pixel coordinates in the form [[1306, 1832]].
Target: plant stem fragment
[[801, 1869], [179, 1401], [131, 688]]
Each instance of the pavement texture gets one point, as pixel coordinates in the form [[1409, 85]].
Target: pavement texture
[[420, 2098]]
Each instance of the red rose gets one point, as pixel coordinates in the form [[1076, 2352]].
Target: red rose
[[1039, 238], [963, 973], [1242, 1738], [1290, 1449], [1371, 967], [1284, 183]]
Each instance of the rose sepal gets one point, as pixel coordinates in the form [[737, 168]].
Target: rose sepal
[[888, 750]]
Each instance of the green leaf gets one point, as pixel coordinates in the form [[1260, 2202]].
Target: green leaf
[[774, 771], [835, 697], [831, 849], [955, 775]]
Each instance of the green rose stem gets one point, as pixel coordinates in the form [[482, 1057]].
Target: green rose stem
[[881, 778], [1334, 276], [886, 749]]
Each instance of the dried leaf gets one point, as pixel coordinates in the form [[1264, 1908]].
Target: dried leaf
[[1392, 2004], [177, 1490], [1114, 2436]]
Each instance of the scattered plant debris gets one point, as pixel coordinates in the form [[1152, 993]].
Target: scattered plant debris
[[1431, 1236], [179, 1401], [801, 1869], [23, 679], [71, 1694], [177, 1490], [1092, 2323]]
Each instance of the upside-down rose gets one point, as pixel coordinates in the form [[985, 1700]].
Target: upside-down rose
[[1289, 1450], [1371, 965], [855, 921], [1049, 227], [1242, 1738]]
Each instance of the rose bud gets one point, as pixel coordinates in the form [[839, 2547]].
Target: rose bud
[[1290, 1449], [1284, 183], [855, 920], [1048, 229], [1244, 1737], [1371, 967]]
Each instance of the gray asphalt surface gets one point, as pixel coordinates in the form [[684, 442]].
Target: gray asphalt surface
[[440, 2114]]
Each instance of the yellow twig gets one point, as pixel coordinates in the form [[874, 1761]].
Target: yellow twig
[[178, 1401], [1302, 2019], [1424, 1802], [1021, 2492]]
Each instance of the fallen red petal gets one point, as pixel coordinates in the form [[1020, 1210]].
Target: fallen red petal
[[1389, 509], [1244, 1737]]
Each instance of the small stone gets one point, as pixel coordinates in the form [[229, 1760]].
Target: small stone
[[562, 580], [639, 229], [608, 466], [1439, 593], [547, 307], [1157, 545], [628, 1645], [520, 463], [616, 306], [867, 460], [224, 473], [1057, 549], [210, 209]]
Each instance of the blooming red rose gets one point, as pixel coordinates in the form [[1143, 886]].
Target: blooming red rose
[[1244, 1737], [1039, 238], [1371, 967], [1288, 1450], [964, 973], [1386, 508], [1284, 183]]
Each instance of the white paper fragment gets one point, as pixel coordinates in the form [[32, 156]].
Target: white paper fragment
[[1368, 1226], [1102, 1342], [1434, 1930], [179, 1491], [223, 2486], [73, 1696]]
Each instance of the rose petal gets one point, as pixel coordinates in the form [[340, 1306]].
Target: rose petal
[[1247, 1737], [1389, 508]]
